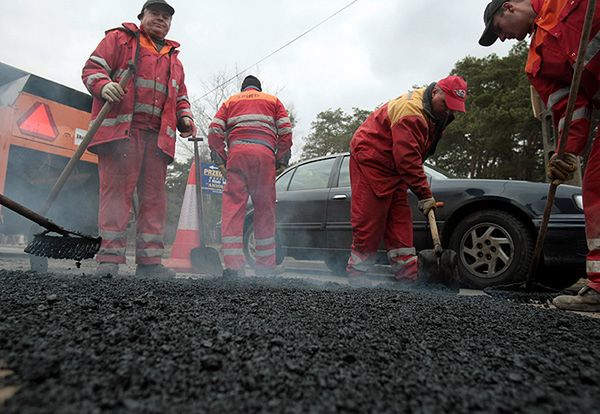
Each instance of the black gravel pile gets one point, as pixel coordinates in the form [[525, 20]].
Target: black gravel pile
[[87, 345]]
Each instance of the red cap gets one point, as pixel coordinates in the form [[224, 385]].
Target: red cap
[[455, 89]]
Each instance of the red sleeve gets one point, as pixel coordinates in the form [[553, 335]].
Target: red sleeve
[[216, 132], [184, 107], [102, 62], [284, 132], [409, 137]]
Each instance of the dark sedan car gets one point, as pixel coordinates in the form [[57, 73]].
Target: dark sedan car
[[491, 224]]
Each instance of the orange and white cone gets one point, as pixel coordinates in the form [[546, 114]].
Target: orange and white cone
[[188, 229]]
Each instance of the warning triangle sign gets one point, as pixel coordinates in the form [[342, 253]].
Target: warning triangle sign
[[38, 122]]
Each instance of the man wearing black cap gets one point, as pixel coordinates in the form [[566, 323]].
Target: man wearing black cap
[[136, 140], [555, 27], [386, 160], [250, 136]]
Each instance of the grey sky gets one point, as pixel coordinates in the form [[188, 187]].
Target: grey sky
[[371, 52]]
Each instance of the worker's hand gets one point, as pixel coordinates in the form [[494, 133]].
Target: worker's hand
[[279, 169], [426, 205], [187, 127], [223, 170], [112, 92], [561, 168]]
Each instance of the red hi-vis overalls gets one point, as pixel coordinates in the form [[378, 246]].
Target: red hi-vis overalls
[[136, 141], [387, 154], [252, 133], [552, 56]]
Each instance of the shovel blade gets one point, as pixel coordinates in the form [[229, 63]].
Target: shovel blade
[[438, 270], [206, 260]]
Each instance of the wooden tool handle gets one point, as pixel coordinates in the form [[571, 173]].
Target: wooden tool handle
[[31, 215], [435, 235]]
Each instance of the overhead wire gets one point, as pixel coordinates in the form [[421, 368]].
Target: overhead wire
[[279, 49], [271, 54]]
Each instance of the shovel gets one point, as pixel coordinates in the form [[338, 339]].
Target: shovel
[[204, 259], [437, 266]]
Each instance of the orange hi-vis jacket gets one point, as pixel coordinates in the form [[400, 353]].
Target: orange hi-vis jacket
[[156, 95], [551, 61], [252, 117], [392, 144]]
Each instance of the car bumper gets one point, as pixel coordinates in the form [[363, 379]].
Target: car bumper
[[565, 241]]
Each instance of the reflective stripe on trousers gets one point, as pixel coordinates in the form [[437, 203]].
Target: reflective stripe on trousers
[[123, 166], [392, 223], [250, 172], [591, 206]]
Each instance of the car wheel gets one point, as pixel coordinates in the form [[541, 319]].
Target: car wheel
[[250, 247], [493, 248], [337, 263]]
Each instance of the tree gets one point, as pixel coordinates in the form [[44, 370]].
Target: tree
[[332, 131], [498, 137]]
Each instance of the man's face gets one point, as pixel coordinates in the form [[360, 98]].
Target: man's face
[[513, 23], [438, 104], [156, 22]]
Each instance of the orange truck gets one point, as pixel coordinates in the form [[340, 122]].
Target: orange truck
[[41, 125]]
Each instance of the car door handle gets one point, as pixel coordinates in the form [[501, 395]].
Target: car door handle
[[339, 197]]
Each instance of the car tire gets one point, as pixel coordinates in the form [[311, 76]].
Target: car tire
[[337, 262], [493, 248], [249, 246]]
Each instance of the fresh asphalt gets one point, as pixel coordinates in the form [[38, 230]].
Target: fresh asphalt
[[304, 342]]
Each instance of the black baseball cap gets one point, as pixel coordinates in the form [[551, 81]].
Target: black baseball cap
[[489, 35], [162, 3]]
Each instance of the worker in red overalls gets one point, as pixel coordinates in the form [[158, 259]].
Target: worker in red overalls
[[555, 27], [250, 138], [386, 160], [136, 141]]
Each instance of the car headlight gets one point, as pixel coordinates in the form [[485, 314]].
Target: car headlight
[[578, 201]]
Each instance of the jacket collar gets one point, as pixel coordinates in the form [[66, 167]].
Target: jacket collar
[[133, 28]]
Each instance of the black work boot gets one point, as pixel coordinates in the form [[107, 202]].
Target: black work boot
[[586, 300], [155, 270]]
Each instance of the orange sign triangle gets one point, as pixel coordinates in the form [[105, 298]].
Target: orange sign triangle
[[38, 121]]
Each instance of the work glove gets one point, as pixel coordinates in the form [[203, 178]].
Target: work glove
[[279, 169], [223, 169], [187, 127], [112, 92], [561, 168], [426, 205]]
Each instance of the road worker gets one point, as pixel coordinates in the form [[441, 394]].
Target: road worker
[[386, 160], [136, 141], [555, 27], [250, 138]]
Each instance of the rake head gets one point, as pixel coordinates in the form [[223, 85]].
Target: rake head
[[63, 247]]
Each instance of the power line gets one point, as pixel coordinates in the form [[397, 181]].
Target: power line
[[280, 49]]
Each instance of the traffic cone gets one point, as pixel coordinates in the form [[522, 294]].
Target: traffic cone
[[188, 230]]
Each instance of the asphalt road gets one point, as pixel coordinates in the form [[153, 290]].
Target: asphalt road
[[307, 342]]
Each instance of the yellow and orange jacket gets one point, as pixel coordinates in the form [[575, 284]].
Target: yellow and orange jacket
[[392, 144], [156, 95], [552, 56], [255, 117]]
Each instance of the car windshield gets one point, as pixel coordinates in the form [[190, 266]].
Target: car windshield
[[437, 172]]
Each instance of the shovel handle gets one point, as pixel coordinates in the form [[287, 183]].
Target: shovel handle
[[435, 235]]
